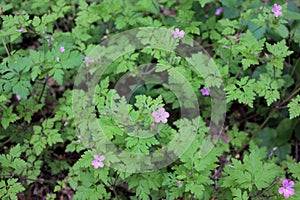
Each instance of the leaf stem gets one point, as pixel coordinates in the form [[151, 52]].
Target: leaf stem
[[267, 119], [289, 97], [6, 49], [265, 190], [43, 89]]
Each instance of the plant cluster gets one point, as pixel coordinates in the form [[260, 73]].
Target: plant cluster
[[181, 99]]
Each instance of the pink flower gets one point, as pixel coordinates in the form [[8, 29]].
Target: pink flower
[[160, 115], [97, 162], [287, 189], [276, 10], [219, 11], [57, 58], [62, 49], [52, 38], [88, 60], [205, 91], [177, 33], [49, 44], [21, 29]]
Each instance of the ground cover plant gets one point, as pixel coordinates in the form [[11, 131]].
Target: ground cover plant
[[124, 99]]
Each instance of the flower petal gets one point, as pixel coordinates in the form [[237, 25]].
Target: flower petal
[[155, 114], [291, 184], [101, 164], [164, 120], [279, 7], [281, 190], [95, 164], [285, 183], [286, 195], [161, 111], [166, 115], [181, 33], [290, 191], [101, 158], [157, 119]]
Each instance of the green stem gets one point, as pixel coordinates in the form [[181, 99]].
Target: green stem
[[43, 89], [291, 96], [295, 65], [267, 119], [230, 55], [6, 49], [265, 190], [8, 140]]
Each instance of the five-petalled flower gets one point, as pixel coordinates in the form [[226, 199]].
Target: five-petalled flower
[[276, 10], [62, 49], [178, 34], [205, 91], [286, 188], [160, 116], [97, 162]]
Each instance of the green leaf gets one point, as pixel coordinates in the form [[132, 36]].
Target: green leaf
[[39, 143], [11, 189], [204, 2], [242, 90], [237, 193], [36, 21], [252, 172], [15, 152], [197, 190], [237, 138], [8, 117], [57, 75], [282, 31], [229, 26], [250, 48], [295, 31], [292, 15], [268, 88], [294, 107], [53, 136], [3, 98], [279, 51], [22, 88], [294, 168], [229, 3], [284, 131]]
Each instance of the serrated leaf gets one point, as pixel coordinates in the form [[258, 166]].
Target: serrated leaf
[[279, 49], [242, 90], [15, 152], [294, 107], [22, 88], [39, 143], [8, 117], [58, 75]]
